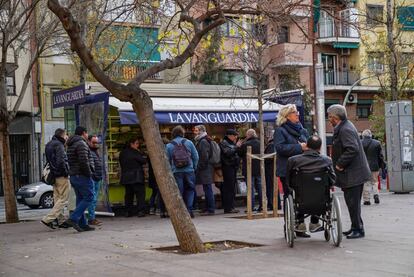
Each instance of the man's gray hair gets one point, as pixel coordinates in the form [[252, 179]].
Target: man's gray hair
[[367, 133], [202, 128], [338, 111], [251, 133]]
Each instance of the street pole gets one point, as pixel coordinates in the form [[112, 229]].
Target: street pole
[[350, 89], [320, 105]]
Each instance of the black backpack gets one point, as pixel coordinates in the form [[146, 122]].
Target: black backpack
[[180, 154]]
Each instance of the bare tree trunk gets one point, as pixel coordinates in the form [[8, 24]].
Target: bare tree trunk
[[262, 145], [83, 21], [7, 172], [184, 228], [392, 60]]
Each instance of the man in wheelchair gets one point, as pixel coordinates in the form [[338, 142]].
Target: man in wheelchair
[[310, 163]]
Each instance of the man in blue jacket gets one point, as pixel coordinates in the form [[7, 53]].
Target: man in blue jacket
[[183, 158]]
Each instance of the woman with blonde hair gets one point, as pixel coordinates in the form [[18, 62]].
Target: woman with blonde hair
[[289, 139]]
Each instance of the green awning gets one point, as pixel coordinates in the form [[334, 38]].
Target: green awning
[[352, 45]]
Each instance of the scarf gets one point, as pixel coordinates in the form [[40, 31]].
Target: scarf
[[200, 136], [295, 126]]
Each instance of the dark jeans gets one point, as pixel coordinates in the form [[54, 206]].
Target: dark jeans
[[257, 186], [83, 187], [269, 192], [186, 185], [157, 198], [229, 187], [299, 216], [209, 196], [131, 191], [353, 201], [153, 198]]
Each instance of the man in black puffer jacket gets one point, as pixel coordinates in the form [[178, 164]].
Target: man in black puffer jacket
[[81, 170], [97, 176], [56, 157]]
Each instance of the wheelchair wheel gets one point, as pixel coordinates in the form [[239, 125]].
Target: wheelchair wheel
[[336, 224], [289, 221]]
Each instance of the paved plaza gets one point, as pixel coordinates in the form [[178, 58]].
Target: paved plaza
[[124, 247]]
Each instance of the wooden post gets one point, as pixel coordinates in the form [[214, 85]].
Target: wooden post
[[275, 188], [249, 182], [263, 186]]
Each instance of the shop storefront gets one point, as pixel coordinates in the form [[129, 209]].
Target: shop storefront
[[114, 122]]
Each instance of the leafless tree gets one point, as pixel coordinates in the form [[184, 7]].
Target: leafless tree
[[192, 20]]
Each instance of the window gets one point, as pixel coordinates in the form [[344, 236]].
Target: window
[[10, 79], [283, 34], [375, 62], [57, 112], [375, 15], [259, 32], [285, 82], [230, 28], [364, 108], [328, 103], [232, 78]]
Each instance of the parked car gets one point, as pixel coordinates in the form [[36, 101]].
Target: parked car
[[36, 195]]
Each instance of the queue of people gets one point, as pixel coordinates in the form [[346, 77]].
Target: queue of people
[[195, 163]]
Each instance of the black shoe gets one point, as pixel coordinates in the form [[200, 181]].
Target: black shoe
[[141, 214], [87, 228], [302, 235], [49, 225], [346, 233], [356, 235], [376, 199], [192, 215], [73, 224], [367, 203], [64, 225]]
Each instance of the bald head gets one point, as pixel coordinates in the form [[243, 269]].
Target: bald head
[[314, 142]]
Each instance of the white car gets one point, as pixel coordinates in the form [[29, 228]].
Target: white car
[[36, 195]]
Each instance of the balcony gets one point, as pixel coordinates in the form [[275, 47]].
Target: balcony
[[341, 33], [340, 78], [126, 71], [290, 55]]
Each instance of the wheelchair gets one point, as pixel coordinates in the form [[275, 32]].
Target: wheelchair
[[311, 195]]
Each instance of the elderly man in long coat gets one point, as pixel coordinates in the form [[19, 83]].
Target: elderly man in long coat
[[351, 166]]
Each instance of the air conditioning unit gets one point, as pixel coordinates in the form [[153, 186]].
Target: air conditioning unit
[[352, 98], [345, 51]]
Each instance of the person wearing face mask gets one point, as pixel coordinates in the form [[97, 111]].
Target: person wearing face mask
[[97, 176]]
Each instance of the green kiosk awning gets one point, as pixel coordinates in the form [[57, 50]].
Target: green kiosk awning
[[352, 45]]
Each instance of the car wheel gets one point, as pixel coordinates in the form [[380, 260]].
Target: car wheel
[[46, 201], [33, 206]]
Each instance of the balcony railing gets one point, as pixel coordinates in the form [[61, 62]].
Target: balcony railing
[[128, 71], [340, 78], [330, 29]]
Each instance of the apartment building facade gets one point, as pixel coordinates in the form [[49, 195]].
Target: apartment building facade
[[351, 46]]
